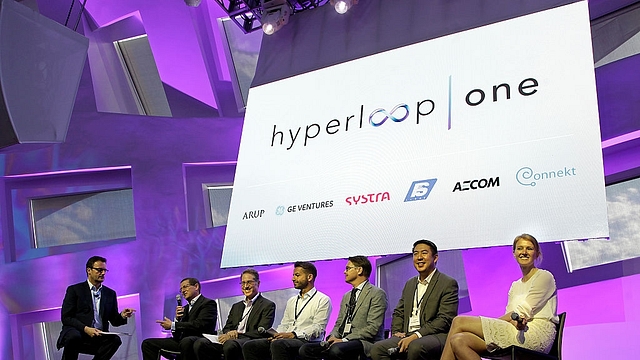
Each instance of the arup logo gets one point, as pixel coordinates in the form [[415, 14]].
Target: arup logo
[[476, 184], [420, 189], [254, 214], [527, 177]]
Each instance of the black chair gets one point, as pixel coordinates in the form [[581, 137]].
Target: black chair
[[518, 353], [168, 354]]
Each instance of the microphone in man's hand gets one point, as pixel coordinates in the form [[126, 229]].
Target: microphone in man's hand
[[516, 317], [393, 350], [179, 300], [270, 332]]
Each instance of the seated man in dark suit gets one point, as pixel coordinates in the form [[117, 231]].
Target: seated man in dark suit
[[194, 319], [361, 319], [87, 309], [243, 322], [424, 313]]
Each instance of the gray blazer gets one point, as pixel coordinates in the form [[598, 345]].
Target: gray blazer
[[437, 309], [368, 318]]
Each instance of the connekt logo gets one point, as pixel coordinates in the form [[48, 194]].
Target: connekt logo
[[476, 184], [368, 198], [420, 190], [301, 136], [528, 177]]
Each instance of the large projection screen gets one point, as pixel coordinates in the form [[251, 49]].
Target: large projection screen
[[467, 139]]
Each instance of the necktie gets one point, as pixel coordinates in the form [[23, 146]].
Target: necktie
[[185, 315], [97, 322], [350, 308], [352, 300]]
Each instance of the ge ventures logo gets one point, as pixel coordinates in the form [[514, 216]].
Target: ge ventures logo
[[420, 189], [280, 210]]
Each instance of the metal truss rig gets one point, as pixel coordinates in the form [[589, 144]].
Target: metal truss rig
[[247, 14]]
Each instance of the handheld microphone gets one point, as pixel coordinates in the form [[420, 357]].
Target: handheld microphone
[[516, 317], [270, 332], [393, 350], [324, 344], [179, 300]]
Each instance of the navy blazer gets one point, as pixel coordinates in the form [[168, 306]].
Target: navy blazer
[[262, 314], [77, 310], [199, 319]]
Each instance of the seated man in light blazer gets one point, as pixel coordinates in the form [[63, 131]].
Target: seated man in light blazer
[[361, 319], [424, 313], [245, 318]]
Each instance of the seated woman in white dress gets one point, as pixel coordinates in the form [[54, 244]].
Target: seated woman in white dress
[[533, 298]]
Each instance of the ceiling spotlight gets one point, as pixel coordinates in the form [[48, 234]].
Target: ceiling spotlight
[[193, 3], [342, 6], [275, 15]]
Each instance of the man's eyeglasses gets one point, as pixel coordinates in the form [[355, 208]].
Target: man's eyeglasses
[[347, 268], [101, 270], [250, 282], [185, 286]]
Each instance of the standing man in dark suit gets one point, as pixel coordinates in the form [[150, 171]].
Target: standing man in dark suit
[[87, 309], [244, 319], [360, 321], [423, 316], [192, 320]]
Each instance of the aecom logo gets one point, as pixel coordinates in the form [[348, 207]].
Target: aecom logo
[[289, 138]]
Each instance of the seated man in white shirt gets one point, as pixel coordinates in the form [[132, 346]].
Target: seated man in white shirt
[[305, 320]]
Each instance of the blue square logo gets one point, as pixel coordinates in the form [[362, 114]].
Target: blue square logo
[[420, 189]]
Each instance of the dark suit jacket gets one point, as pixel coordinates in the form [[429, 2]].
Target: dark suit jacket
[[367, 324], [438, 307], [199, 319], [77, 310], [262, 315]]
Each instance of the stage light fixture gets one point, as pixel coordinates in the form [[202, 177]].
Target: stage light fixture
[[342, 6], [192, 3], [275, 15]]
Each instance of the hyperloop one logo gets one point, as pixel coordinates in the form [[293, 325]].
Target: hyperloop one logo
[[388, 115], [301, 136]]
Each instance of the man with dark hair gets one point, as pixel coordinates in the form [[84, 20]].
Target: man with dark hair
[[243, 322], [424, 313], [361, 319], [192, 320], [87, 309], [305, 319]]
